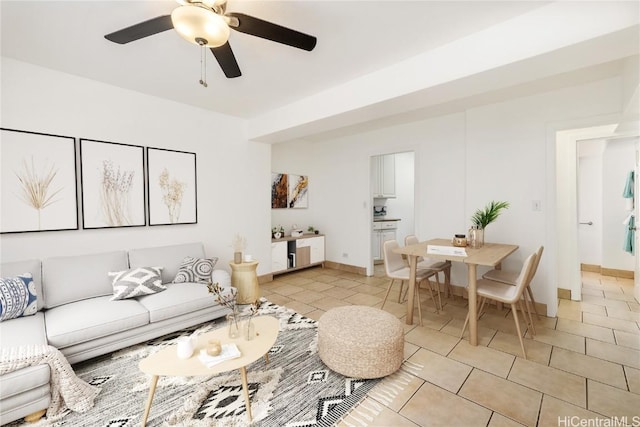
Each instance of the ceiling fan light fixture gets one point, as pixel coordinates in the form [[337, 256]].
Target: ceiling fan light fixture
[[193, 22]]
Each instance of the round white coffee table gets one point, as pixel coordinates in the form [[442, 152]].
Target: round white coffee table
[[166, 362]]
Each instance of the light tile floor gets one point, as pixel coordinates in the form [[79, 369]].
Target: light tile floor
[[583, 364]]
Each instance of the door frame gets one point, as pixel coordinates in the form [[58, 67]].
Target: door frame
[[565, 226]]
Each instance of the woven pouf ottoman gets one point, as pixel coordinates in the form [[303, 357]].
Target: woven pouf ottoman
[[360, 342]]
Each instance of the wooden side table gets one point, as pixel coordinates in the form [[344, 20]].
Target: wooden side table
[[245, 280]]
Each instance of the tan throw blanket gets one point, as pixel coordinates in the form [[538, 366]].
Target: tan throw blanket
[[67, 390]]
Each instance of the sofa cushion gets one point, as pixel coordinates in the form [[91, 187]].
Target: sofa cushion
[[135, 282], [178, 299], [23, 380], [195, 270], [30, 266], [24, 331], [18, 297], [74, 278], [167, 257], [93, 318]]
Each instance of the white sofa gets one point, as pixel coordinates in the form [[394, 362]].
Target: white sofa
[[75, 314]]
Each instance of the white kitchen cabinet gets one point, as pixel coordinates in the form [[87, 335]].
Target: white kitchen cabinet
[[382, 231], [383, 176], [376, 246], [278, 256], [294, 253]]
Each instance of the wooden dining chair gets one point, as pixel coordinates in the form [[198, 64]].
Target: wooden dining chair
[[509, 277], [506, 294], [432, 264], [396, 269]]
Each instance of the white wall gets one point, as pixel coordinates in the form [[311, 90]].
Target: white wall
[[233, 174], [463, 161], [618, 159]]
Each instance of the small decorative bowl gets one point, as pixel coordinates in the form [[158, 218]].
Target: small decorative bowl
[[214, 348], [459, 240]]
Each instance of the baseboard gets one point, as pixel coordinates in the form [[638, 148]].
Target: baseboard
[[592, 268], [564, 293], [624, 274], [265, 278], [612, 272], [346, 267]]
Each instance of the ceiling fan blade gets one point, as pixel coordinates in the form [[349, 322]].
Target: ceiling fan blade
[[227, 60], [274, 32], [141, 30]]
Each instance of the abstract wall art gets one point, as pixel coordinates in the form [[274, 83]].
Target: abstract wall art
[[289, 191], [38, 182], [172, 187], [298, 191], [112, 178], [279, 190]]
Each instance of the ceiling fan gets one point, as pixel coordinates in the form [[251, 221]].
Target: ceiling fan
[[206, 23]]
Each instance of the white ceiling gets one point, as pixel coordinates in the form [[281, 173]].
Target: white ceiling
[[354, 38]]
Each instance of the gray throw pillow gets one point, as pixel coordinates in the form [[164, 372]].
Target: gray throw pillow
[[195, 270], [135, 282]]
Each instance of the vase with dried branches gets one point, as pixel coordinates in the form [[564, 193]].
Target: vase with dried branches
[[227, 299], [114, 194], [239, 245], [36, 186], [172, 193]]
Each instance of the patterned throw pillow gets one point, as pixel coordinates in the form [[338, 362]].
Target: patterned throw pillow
[[195, 270], [18, 297], [135, 282]]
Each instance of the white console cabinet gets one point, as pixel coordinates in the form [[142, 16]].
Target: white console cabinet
[[294, 253], [278, 256]]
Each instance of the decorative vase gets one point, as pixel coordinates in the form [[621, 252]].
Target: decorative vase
[[232, 321], [185, 346], [237, 257], [248, 329], [476, 237]]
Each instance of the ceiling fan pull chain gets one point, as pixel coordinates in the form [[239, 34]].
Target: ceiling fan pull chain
[[203, 64]]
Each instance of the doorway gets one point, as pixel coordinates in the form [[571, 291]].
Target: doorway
[[566, 207], [392, 192]]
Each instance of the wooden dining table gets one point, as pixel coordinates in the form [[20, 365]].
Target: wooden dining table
[[490, 254]]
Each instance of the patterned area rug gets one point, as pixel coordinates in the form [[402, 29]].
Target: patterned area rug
[[295, 389]]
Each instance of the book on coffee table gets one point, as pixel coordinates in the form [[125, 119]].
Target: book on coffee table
[[229, 351]]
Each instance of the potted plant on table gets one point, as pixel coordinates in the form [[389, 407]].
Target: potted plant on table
[[311, 229], [483, 217], [277, 232]]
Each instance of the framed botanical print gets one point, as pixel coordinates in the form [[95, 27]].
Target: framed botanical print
[[38, 186], [172, 187], [113, 190]]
